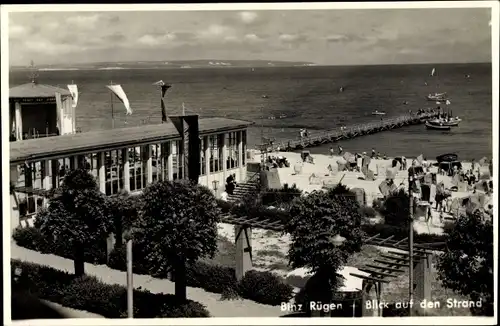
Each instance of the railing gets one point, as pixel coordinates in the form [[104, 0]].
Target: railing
[[345, 131]]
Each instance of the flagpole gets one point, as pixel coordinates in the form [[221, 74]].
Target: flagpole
[[183, 110], [112, 108], [161, 101]]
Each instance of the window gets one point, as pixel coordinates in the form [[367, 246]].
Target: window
[[214, 153], [160, 161], [137, 158], [203, 159], [59, 169], [232, 150], [244, 150], [30, 188], [113, 163], [89, 163], [177, 160]]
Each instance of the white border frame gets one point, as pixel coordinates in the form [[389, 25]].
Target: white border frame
[[6, 9]]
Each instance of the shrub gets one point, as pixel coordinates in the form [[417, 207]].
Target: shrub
[[277, 197], [32, 238], [212, 278], [396, 209], [90, 294], [265, 287], [367, 212]]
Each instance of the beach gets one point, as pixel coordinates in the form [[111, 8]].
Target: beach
[[273, 246]]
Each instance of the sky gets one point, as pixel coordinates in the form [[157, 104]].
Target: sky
[[325, 37]]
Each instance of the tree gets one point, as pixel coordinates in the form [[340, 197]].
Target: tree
[[123, 211], [76, 214], [467, 265], [178, 225], [325, 229]]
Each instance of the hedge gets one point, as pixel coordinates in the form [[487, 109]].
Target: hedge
[[261, 287], [254, 286], [31, 238], [90, 294]]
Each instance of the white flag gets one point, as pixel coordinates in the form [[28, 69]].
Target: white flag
[[159, 83], [74, 93], [118, 91], [448, 102]]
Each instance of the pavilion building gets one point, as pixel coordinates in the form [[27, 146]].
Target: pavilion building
[[38, 110]]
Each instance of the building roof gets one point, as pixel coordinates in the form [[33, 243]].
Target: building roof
[[35, 90], [87, 142]]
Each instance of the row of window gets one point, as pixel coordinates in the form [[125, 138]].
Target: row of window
[[34, 176]]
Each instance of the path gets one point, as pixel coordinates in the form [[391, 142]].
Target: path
[[216, 307]]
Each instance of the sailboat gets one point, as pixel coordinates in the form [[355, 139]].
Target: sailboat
[[436, 96]]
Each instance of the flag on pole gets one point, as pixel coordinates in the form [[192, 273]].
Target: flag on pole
[[164, 88], [73, 88], [120, 94]]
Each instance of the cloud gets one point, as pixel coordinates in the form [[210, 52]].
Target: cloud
[[336, 38], [41, 46], [16, 31], [215, 32], [248, 17], [252, 38], [154, 40], [292, 38]]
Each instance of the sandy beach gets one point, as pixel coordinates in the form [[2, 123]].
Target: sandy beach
[[271, 247]]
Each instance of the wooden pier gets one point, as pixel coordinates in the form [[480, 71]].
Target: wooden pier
[[350, 132]]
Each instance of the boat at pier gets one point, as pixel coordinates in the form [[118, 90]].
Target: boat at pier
[[452, 122], [431, 126], [378, 113]]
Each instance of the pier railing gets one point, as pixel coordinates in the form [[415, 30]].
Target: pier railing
[[352, 131]]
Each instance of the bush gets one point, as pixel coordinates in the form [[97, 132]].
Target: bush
[[264, 287], [367, 212], [212, 278], [90, 294], [31, 238], [277, 197], [396, 209]]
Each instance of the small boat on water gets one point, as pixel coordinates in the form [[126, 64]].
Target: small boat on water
[[431, 126], [376, 112], [437, 97], [453, 122]]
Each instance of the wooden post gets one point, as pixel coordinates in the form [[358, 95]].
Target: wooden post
[[224, 156], [149, 164], [126, 170], [19, 121], [240, 156], [130, 281], [206, 143], [423, 279], [243, 240], [170, 161]]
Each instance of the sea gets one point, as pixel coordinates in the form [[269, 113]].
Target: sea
[[283, 100]]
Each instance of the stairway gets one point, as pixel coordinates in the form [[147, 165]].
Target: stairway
[[247, 189]]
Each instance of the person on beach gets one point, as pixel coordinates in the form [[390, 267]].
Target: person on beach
[[340, 150], [404, 163], [473, 163], [332, 151], [373, 153]]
